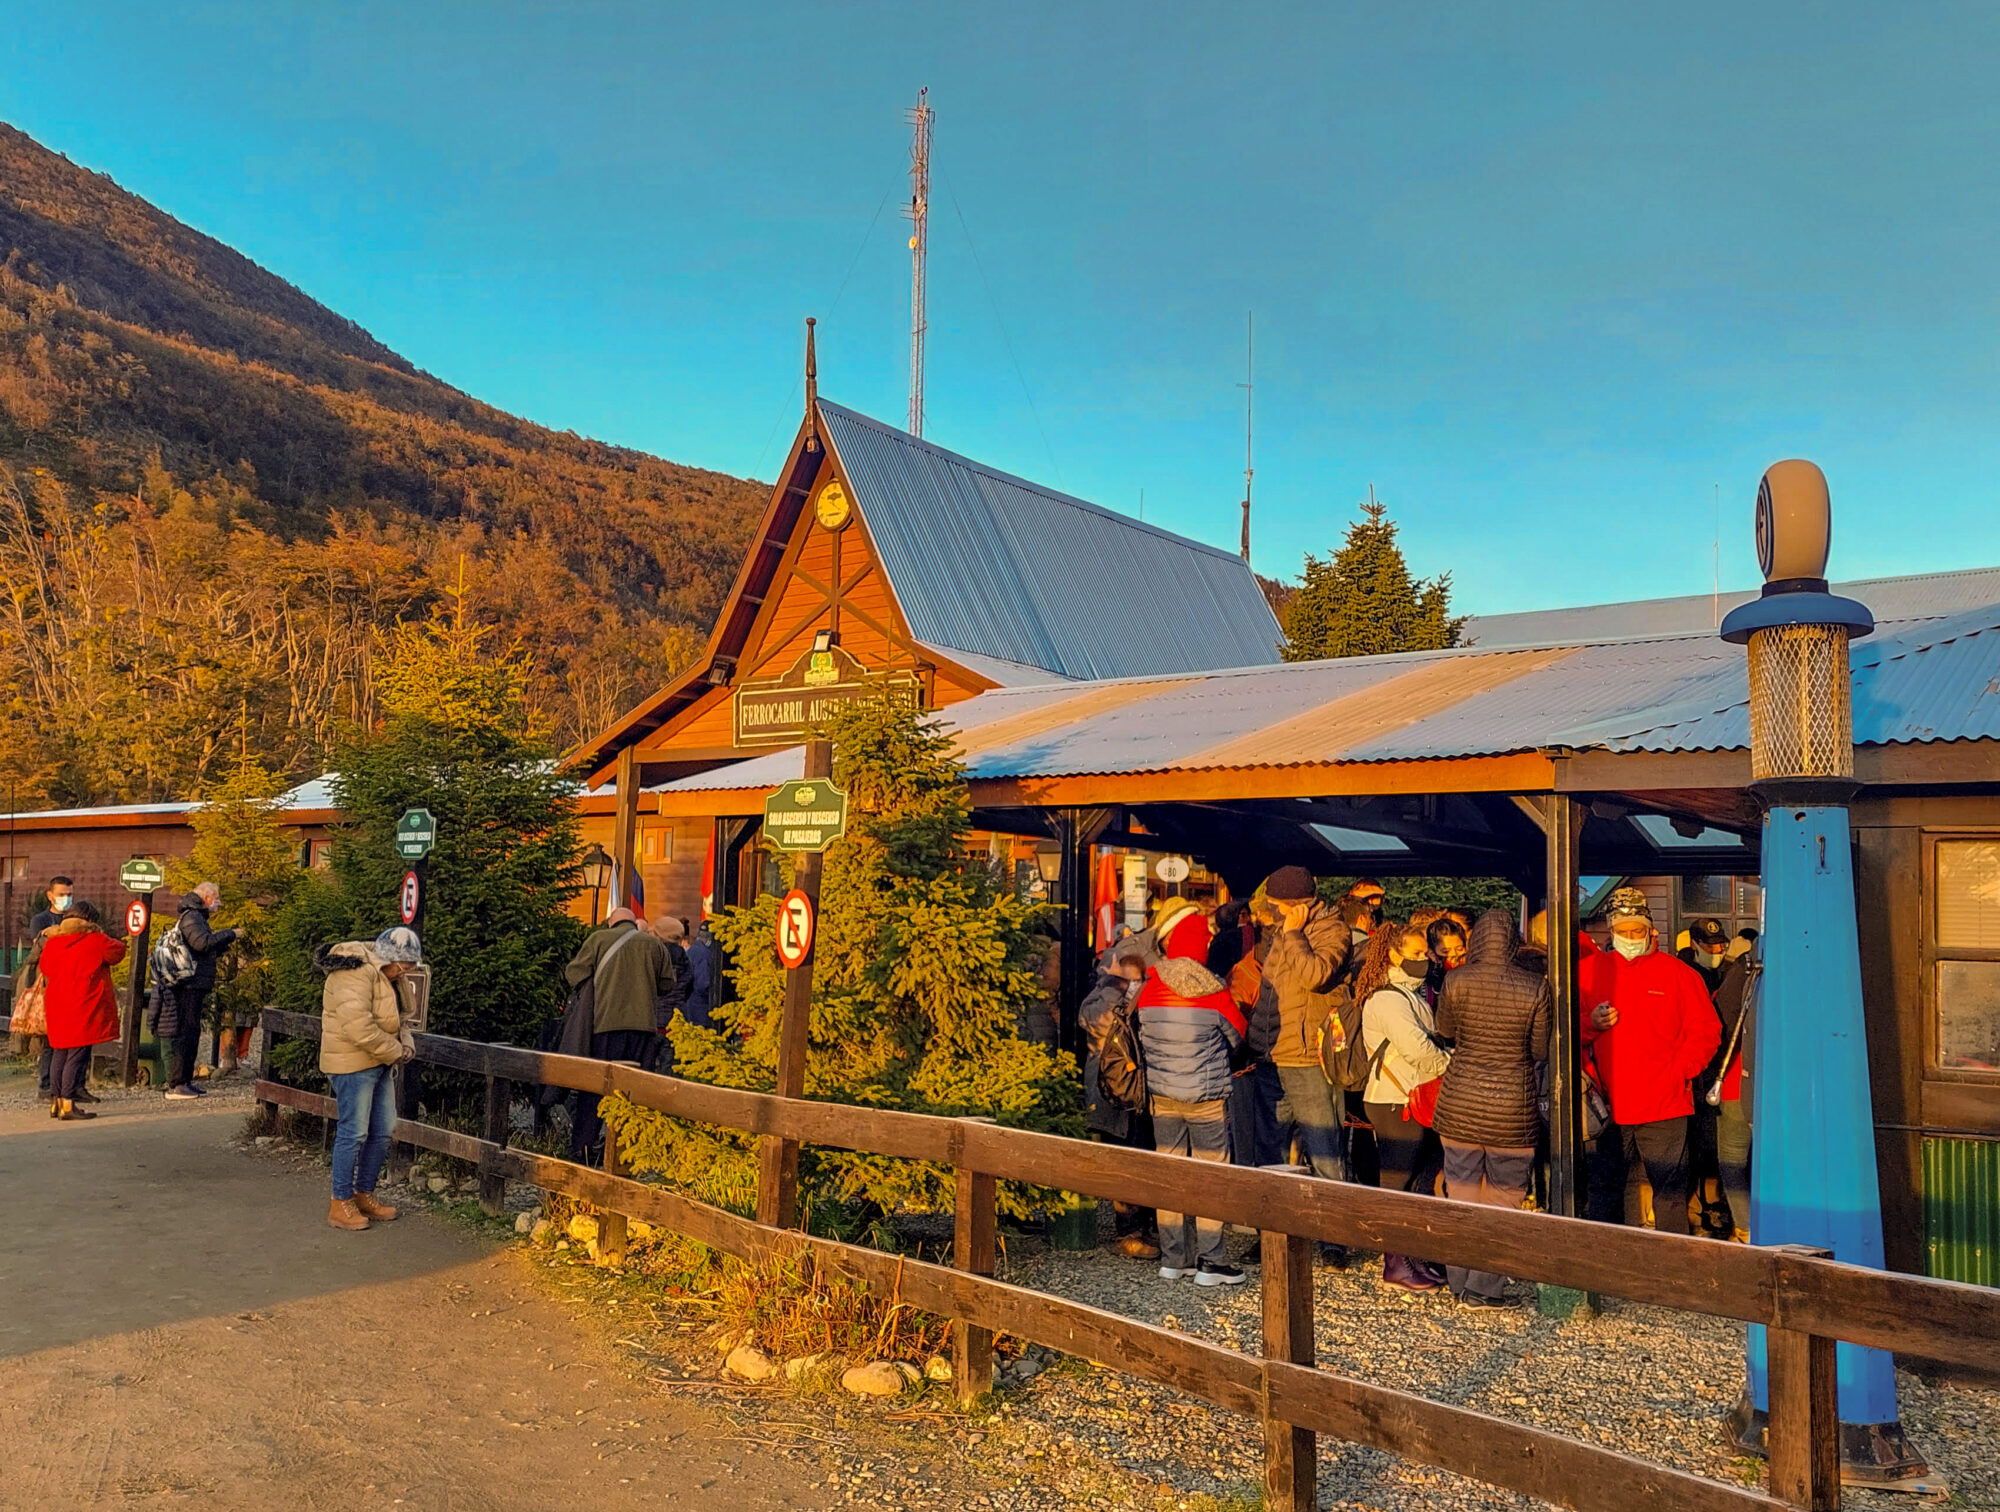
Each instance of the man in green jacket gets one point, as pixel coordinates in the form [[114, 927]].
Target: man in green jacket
[[628, 967]]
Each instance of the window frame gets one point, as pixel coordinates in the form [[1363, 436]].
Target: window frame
[[1930, 955]]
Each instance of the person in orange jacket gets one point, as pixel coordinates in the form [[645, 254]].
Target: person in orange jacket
[[1649, 1023]]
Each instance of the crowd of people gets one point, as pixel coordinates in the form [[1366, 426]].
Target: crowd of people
[[64, 1004], [1290, 1029]]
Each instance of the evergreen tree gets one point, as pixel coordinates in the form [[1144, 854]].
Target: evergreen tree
[[495, 928], [924, 967], [1362, 601]]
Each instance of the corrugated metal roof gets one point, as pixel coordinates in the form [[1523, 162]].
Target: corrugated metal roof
[[1928, 595], [1935, 682], [992, 565]]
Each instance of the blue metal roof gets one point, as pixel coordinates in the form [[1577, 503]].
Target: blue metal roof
[[994, 566], [1923, 596]]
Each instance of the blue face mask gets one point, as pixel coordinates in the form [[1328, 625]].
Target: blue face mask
[[60, 905]]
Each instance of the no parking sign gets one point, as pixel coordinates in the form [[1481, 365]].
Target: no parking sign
[[795, 928], [411, 893], [137, 916]]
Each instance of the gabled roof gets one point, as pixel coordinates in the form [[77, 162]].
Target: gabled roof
[[992, 565], [1924, 595]]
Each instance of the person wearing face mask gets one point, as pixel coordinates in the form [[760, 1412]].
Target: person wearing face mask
[[57, 898], [1707, 951], [1444, 943], [1648, 1022], [1400, 1036]]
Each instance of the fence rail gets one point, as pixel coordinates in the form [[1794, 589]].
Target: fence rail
[[1805, 1299]]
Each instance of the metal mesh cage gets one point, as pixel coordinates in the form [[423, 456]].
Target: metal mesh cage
[[1801, 703]]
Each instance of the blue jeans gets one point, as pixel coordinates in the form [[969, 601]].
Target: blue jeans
[[1317, 1118], [367, 1104]]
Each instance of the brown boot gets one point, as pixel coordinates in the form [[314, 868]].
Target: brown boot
[[69, 1112], [381, 1212], [345, 1215]]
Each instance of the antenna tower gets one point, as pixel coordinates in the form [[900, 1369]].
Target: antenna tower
[[1249, 387], [919, 216]]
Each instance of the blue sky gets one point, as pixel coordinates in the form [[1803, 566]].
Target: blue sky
[[1544, 276]]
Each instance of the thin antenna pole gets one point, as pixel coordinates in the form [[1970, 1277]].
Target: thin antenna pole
[[1142, 505], [918, 214], [1715, 564], [1249, 387]]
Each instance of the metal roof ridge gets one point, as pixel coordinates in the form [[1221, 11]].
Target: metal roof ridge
[[1845, 586], [906, 439], [1930, 633]]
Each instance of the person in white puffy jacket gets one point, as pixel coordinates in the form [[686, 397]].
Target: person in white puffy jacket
[[1400, 1037]]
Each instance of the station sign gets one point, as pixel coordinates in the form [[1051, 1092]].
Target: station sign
[[785, 710], [416, 834], [797, 919], [807, 815], [142, 874]]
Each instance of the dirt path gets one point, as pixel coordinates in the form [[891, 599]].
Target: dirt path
[[178, 1326]]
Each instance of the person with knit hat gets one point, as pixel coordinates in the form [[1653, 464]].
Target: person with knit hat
[[1189, 1028], [1648, 1021], [1307, 966], [363, 1038]]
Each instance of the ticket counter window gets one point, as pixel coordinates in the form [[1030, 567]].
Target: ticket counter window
[[1966, 954]]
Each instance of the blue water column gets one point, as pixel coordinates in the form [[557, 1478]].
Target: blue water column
[[1813, 1175]]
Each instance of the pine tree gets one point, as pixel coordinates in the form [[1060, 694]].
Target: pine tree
[[924, 966], [1362, 601], [496, 931]]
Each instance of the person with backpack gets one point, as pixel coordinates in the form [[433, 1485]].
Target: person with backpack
[[1498, 1017], [80, 1002], [363, 1038], [183, 977], [1106, 1017], [1307, 968], [1405, 1060], [1189, 1028], [628, 969]]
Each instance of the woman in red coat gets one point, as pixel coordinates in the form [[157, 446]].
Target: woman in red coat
[[76, 963]]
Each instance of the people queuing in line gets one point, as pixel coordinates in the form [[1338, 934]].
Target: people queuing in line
[[1406, 1060], [1120, 971], [80, 1003], [617, 978], [176, 1008], [1729, 1093], [1649, 1025], [364, 1036]]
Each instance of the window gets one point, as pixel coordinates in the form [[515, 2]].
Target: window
[[1965, 946], [656, 845], [319, 855], [1705, 897]]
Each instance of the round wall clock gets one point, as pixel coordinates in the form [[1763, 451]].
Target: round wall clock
[[833, 508]]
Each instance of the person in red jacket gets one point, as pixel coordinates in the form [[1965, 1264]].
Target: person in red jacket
[[1648, 1022], [83, 1011]]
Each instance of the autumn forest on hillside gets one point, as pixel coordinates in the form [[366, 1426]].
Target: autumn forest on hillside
[[217, 498]]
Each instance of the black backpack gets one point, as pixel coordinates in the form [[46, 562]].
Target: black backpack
[[1342, 1058], [1121, 1063]]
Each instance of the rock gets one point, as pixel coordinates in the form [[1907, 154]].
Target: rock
[[728, 1340], [878, 1378], [541, 1231], [265, 1141], [583, 1228], [438, 1184], [524, 1223], [799, 1368], [637, 1229], [938, 1368], [1026, 1369], [562, 1244], [911, 1373], [749, 1363], [469, 1184]]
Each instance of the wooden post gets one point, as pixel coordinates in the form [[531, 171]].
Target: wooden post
[[130, 1034], [778, 1157], [611, 1227], [1567, 1183], [1802, 1436], [625, 826], [499, 1111], [1291, 1453], [264, 1069], [972, 1251]]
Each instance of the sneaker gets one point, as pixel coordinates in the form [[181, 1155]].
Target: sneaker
[[1474, 1299], [1215, 1273], [182, 1094], [193, 1091], [1173, 1272]]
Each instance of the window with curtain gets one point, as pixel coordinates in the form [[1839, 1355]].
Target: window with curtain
[[1965, 936]]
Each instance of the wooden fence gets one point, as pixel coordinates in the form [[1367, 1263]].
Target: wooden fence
[[1806, 1300]]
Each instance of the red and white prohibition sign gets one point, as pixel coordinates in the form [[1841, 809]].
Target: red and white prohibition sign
[[796, 918], [136, 917], [409, 899]]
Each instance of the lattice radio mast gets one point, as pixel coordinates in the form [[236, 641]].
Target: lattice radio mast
[[1249, 387], [919, 216]]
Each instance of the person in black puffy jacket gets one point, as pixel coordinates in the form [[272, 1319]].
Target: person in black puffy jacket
[[1499, 1016]]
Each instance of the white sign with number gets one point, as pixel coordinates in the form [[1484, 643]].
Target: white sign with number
[[1171, 868]]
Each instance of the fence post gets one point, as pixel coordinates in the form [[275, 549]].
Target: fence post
[[611, 1229], [264, 1067], [1802, 1436], [1291, 1453], [972, 1251], [499, 1113]]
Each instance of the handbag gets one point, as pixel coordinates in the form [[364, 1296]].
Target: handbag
[[31, 1015]]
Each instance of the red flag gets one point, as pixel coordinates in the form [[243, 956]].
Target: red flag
[[708, 878], [1105, 893]]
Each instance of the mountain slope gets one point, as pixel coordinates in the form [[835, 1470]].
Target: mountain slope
[[153, 372]]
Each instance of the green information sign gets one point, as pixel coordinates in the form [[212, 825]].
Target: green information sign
[[808, 815], [416, 833], [142, 874]]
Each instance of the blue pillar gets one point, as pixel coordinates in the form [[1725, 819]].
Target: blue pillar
[[1813, 1171]]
